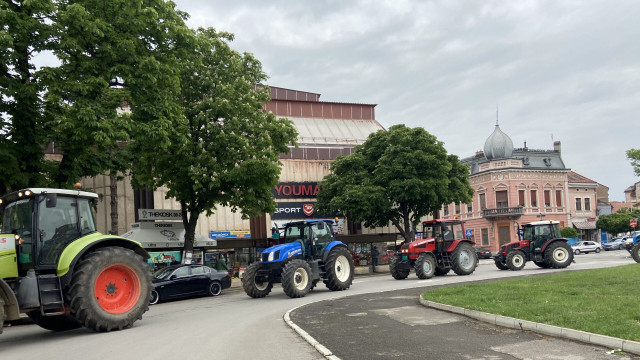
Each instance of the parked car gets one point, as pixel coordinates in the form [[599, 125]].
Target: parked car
[[179, 281], [483, 253], [586, 247], [616, 243]]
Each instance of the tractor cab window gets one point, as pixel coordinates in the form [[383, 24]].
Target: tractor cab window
[[449, 231], [87, 217], [58, 226], [431, 231], [294, 233], [321, 233], [18, 219]]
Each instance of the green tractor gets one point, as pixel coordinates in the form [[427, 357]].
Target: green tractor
[[60, 271]]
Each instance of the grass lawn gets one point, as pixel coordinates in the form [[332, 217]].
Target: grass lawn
[[600, 301]]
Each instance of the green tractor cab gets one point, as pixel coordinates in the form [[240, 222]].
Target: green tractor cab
[[59, 270]]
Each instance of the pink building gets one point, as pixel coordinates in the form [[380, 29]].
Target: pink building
[[519, 186]]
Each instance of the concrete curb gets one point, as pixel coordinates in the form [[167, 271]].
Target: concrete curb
[[305, 335], [629, 346]]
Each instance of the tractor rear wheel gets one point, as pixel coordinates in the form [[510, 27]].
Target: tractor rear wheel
[[2, 316], [54, 323], [253, 287], [502, 265], [464, 259], [397, 274], [110, 289], [296, 278], [340, 268], [425, 266], [635, 252], [441, 271], [516, 260], [558, 255]]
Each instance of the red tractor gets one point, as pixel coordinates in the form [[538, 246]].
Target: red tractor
[[443, 247], [541, 243]]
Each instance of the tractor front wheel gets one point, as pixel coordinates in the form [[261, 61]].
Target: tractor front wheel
[[54, 323], [516, 260], [2, 316], [464, 259], [397, 274], [425, 266], [340, 268], [296, 278], [558, 255], [502, 265], [635, 252], [442, 271], [110, 289], [541, 264], [253, 285]]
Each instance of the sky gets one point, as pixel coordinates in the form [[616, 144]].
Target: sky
[[565, 71]]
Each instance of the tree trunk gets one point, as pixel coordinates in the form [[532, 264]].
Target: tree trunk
[[113, 185], [189, 233]]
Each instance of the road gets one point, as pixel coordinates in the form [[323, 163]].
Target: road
[[232, 325]]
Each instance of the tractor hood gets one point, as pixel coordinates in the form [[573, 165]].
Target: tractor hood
[[281, 252]]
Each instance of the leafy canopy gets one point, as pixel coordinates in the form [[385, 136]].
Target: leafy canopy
[[569, 232], [634, 156], [225, 148], [396, 176], [618, 222]]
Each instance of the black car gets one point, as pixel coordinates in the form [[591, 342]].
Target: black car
[[179, 281], [483, 253]]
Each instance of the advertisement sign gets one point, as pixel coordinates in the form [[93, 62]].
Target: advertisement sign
[[292, 190], [163, 235], [159, 214], [298, 210], [165, 257], [229, 234]]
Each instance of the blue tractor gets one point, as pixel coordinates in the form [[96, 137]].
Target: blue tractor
[[310, 254]]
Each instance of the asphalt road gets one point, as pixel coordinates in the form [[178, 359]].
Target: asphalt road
[[235, 326]]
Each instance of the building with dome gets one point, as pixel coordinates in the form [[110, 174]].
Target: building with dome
[[514, 186]]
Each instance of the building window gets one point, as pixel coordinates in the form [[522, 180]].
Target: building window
[[559, 198], [483, 201], [470, 208], [578, 204], [458, 209], [534, 198], [521, 198], [587, 204], [485, 237], [547, 198], [446, 211], [502, 199]]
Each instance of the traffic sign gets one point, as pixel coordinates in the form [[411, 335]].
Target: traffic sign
[[633, 223]]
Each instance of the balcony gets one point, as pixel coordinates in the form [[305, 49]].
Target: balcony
[[514, 212]]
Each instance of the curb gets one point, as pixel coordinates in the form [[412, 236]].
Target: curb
[[629, 346], [308, 338]]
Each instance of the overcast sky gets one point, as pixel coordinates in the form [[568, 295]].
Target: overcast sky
[[557, 70]]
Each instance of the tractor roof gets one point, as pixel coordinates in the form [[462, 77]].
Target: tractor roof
[[542, 222], [38, 191], [440, 221], [308, 222]]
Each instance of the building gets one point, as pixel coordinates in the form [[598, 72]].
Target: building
[[632, 195], [514, 186]]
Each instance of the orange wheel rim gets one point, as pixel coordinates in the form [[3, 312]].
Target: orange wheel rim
[[117, 289]]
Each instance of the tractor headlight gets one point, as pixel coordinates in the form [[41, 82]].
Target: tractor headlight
[[270, 256]]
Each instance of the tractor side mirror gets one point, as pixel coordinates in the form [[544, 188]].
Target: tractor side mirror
[[51, 200]]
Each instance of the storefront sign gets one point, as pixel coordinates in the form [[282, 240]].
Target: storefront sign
[[297, 210], [163, 235], [229, 234], [295, 190], [159, 214]]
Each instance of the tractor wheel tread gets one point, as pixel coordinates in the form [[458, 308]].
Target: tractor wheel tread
[[337, 254], [249, 284], [424, 260], [456, 263], [395, 272], [289, 273]]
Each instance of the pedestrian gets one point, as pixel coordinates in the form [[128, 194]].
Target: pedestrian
[[374, 258], [221, 264]]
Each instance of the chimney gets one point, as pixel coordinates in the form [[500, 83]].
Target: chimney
[[556, 146]]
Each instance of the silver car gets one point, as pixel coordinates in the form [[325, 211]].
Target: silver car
[[586, 247], [616, 243]]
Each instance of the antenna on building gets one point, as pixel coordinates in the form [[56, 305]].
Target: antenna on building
[[496, 114]]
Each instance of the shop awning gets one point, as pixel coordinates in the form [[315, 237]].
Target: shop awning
[[585, 225]]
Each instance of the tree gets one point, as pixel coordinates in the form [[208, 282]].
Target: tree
[[569, 232], [618, 222], [397, 176], [634, 156], [25, 32], [225, 149]]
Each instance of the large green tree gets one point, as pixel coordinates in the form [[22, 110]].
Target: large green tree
[[634, 156], [396, 176], [225, 149], [25, 31], [618, 222]]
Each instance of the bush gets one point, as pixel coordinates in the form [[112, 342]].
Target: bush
[[569, 232]]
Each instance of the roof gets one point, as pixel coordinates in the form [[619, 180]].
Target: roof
[[529, 160], [38, 191], [585, 225], [321, 131], [542, 222], [574, 177]]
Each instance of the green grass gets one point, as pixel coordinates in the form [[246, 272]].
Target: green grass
[[601, 301]]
